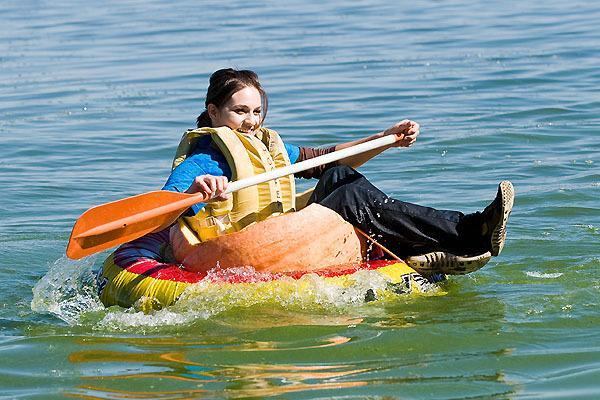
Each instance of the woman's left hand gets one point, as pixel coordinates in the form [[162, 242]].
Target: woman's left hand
[[406, 132]]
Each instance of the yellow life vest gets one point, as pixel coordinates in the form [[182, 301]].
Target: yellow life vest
[[247, 155]]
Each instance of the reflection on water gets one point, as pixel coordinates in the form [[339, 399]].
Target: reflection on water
[[173, 373], [377, 352], [176, 375]]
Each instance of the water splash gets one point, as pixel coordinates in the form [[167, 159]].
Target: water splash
[[68, 290], [218, 294], [311, 292], [125, 319]]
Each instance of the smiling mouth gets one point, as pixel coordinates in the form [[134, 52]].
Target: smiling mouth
[[246, 130]]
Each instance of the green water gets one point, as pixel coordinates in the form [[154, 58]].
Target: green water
[[93, 101]]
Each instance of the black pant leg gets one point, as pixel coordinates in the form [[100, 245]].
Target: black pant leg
[[405, 228]]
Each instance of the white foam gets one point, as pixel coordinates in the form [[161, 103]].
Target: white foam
[[537, 274], [309, 292], [124, 319]]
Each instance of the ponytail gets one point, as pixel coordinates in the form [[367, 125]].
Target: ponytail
[[203, 120]]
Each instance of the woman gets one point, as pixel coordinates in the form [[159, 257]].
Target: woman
[[231, 142]]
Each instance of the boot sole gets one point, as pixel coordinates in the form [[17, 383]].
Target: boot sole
[[499, 233], [441, 262]]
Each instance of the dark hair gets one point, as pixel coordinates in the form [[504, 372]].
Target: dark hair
[[224, 83]]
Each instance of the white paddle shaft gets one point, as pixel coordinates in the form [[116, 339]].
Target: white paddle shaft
[[311, 163], [187, 200]]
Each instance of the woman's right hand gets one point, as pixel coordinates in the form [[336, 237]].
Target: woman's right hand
[[213, 187]]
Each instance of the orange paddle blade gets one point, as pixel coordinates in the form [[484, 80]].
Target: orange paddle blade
[[121, 221]]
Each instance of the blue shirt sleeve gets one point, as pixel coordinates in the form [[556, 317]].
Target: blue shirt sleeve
[[293, 152], [205, 160]]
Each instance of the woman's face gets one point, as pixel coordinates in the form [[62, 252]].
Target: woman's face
[[241, 112]]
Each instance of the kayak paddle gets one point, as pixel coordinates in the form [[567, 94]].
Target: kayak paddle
[[121, 221]]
